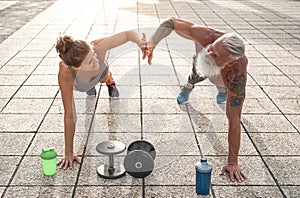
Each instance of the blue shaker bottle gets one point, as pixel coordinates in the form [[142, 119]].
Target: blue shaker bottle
[[203, 176]]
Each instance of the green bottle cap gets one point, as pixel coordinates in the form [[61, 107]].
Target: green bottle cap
[[48, 153]]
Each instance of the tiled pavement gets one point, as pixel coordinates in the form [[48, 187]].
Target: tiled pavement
[[31, 111]]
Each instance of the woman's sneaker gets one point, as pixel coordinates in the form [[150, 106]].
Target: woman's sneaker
[[113, 91], [183, 96]]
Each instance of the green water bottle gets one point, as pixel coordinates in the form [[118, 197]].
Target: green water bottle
[[48, 157]]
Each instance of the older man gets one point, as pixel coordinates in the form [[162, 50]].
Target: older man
[[220, 57]]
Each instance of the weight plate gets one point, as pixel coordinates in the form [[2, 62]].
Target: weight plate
[[105, 172], [110, 147], [142, 145], [138, 163]]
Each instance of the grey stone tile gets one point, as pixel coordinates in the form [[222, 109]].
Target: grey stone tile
[[37, 92], [15, 143], [296, 53], [210, 122], [2, 190], [82, 105], [20, 122], [53, 61], [291, 191], [288, 106], [31, 106], [285, 169], [12, 79], [264, 41], [217, 144], [255, 92], [267, 123], [200, 92], [159, 70], [124, 70], [16, 70], [296, 79], [277, 144], [124, 59], [253, 54], [262, 47], [163, 81], [3, 102], [295, 120], [39, 191], [162, 106], [117, 123], [89, 176], [274, 81], [259, 106], [285, 61], [108, 191], [31, 53], [258, 62], [122, 105], [263, 71], [159, 92], [8, 166], [276, 54], [42, 80], [166, 123], [46, 70], [246, 191], [173, 170], [172, 191], [30, 173], [173, 143], [24, 61], [55, 123], [56, 140], [126, 80], [125, 91], [282, 92]]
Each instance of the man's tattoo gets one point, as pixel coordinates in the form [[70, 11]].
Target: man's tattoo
[[163, 30], [236, 83], [236, 101]]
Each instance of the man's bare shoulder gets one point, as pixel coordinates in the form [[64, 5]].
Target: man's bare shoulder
[[205, 35]]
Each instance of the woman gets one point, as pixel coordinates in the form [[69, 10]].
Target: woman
[[81, 68]]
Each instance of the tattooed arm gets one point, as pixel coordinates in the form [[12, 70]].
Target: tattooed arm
[[235, 83], [186, 29]]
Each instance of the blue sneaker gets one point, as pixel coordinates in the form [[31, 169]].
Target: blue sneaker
[[221, 98], [183, 96]]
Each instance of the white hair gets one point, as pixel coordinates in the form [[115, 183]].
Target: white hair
[[233, 43]]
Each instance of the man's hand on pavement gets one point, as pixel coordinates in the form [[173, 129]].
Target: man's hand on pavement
[[234, 173]]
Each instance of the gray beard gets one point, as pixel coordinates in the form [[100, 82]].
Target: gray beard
[[205, 66]]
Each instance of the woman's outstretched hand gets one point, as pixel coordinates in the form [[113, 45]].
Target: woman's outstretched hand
[[142, 43], [67, 161]]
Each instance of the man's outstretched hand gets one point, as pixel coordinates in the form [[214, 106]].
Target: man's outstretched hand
[[149, 51], [234, 173]]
